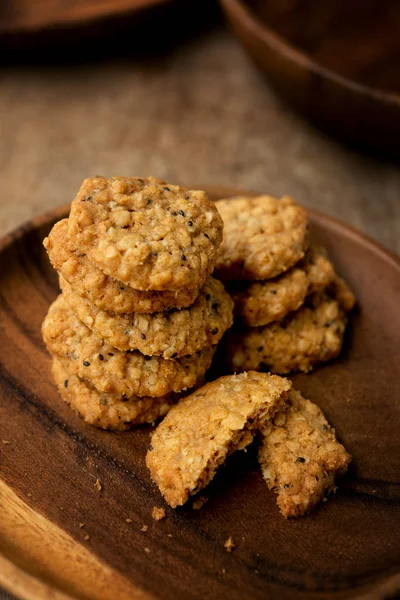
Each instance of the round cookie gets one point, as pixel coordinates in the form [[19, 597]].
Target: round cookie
[[107, 293], [110, 370], [146, 233], [263, 237], [303, 339], [103, 410], [202, 430], [169, 334], [262, 302]]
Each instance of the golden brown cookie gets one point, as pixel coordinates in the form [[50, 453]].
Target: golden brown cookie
[[107, 411], [262, 302], [340, 291], [203, 429], [300, 456], [297, 343], [110, 370], [263, 237], [105, 292], [169, 334], [146, 233]]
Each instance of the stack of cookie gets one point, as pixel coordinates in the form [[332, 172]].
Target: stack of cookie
[[139, 315], [290, 304]]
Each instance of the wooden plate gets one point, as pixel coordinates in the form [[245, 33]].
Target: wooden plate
[[348, 548], [335, 61]]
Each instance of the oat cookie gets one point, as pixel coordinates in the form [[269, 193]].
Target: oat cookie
[[146, 233], [107, 411], [342, 293], [263, 237], [110, 370], [106, 293], [169, 334], [300, 456], [203, 429], [262, 302], [303, 339]]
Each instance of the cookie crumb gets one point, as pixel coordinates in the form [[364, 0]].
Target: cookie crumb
[[170, 535], [98, 485], [229, 544], [6, 442], [147, 550], [199, 502], [144, 528], [158, 513], [223, 571], [129, 520], [81, 525], [87, 537]]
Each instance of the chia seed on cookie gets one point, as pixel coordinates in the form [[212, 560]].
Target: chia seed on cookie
[[107, 411], [146, 233], [110, 370], [103, 291], [171, 334]]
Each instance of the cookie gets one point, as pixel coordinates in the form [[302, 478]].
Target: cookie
[[300, 456], [98, 288], [169, 334], [263, 237], [262, 302], [146, 233], [303, 339], [203, 429], [107, 411], [110, 370], [341, 292]]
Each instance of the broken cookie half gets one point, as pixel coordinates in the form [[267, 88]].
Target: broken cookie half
[[200, 432], [300, 456]]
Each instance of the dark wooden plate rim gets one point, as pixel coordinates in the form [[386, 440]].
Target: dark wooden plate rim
[[16, 579], [282, 46]]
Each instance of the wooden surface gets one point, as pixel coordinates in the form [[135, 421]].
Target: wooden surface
[[54, 459], [23, 16], [197, 112], [335, 61]]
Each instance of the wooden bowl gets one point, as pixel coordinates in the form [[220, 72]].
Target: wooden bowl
[[27, 16], [62, 538], [336, 61]]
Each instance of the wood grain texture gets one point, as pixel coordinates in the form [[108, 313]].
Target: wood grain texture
[[349, 547], [335, 61], [38, 560]]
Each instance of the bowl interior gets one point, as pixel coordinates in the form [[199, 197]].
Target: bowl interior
[[359, 39]]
